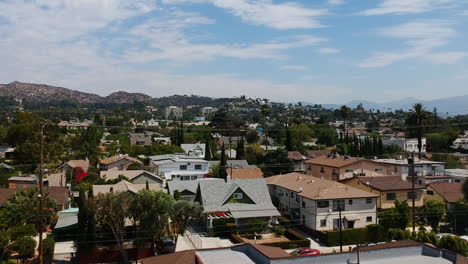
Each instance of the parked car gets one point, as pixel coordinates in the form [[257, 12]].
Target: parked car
[[166, 245], [305, 252]]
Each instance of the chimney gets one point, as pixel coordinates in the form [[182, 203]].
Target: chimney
[[228, 178]]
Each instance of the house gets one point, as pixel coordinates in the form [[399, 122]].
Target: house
[[450, 193], [207, 111], [162, 140], [75, 124], [311, 154], [173, 113], [20, 182], [7, 153], [297, 159], [406, 144], [140, 139], [67, 224], [242, 199], [317, 203], [388, 189], [228, 141], [186, 189], [425, 170], [120, 162], [73, 164], [249, 173], [461, 143], [59, 194], [4, 166], [197, 150], [243, 253], [124, 186], [457, 175], [135, 176], [334, 167], [176, 167]]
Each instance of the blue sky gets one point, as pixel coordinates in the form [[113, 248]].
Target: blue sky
[[324, 51]]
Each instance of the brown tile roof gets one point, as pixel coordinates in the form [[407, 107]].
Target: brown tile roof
[[84, 164], [117, 158], [337, 162], [316, 153], [182, 257], [387, 183], [396, 244], [5, 194], [270, 252], [254, 173], [316, 188], [451, 192], [59, 194], [295, 155]]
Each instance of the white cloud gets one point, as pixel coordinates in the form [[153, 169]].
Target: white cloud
[[328, 50], [336, 2], [420, 39], [264, 12], [294, 67], [407, 6]]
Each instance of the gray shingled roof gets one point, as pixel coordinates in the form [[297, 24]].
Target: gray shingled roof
[[180, 186]]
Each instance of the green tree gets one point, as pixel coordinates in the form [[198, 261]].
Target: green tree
[[252, 136], [49, 246], [151, 210], [111, 211], [434, 211], [222, 163], [345, 111], [181, 213], [240, 150], [276, 162], [257, 226], [396, 217], [25, 247], [454, 243], [417, 120]]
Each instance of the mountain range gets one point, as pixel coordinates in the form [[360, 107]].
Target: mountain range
[[46, 93]]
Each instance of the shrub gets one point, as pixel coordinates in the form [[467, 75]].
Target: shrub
[[375, 233], [49, 246], [25, 247], [454, 243], [349, 236], [220, 226], [279, 230], [284, 221], [398, 234], [257, 226]]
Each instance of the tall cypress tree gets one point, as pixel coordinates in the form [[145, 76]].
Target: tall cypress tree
[[207, 149], [289, 143], [91, 220], [181, 133], [240, 149], [82, 221], [223, 163], [380, 146]]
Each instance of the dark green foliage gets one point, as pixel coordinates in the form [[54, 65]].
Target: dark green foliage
[[257, 226], [208, 155], [220, 227], [427, 237], [434, 210], [453, 162], [22, 231], [417, 121], [252, 136], [326, 135], [49, 246], [350, 236], [398, 234], [276, 162], [222, 164], [279, 230], [376, 233], [397, 217], [454, 244], [25, 247], [240, 150]]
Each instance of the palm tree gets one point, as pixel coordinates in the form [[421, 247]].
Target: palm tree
[[344, 110], [418, 119]]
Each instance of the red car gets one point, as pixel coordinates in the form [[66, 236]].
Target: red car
[[305, 252]]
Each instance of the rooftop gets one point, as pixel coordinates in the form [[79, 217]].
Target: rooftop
[[387, 183], [450, 192], [404, 162], [337, 161], [255, 173], [124, 186], [315, 188], [117, 158]]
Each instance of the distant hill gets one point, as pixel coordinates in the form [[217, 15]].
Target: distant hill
[[124, 97]]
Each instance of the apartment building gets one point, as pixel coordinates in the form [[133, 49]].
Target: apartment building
[[318, 203]]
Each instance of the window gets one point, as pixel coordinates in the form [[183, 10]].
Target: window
[[338, 205], [369, 219], [198, 167], [297, 198], [323, 223], [368, 200], [378, 169], [457, 180], [183, 167], [292, 195], [237, 196], [185, 178], [323, 204], [430, 192], [350, 202], [412, 194], [391, 196], [349, 170], [322, 170], [336, 223], [193, 177], [303, 204]]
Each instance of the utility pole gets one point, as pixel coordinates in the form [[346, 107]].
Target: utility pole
[[411, 164], [358, 257], [41, 195], [341, 228]]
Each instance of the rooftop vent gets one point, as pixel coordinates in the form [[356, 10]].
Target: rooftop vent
[[300, 189]]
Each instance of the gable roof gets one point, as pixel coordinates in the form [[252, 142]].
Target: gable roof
[[191, 148], [113, 159], [337, 162], [316, 188], [58, 194], [181, 186], [124, 186], [130, 174], [182, 257], [84, 164], [387, 183], [450, 192], [255, 173], [240, 164], [316, 153], [295, 155]]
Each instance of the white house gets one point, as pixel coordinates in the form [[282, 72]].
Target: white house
[[176, 167], [425, 170], [407, 144], [317, 203], [197, 150]]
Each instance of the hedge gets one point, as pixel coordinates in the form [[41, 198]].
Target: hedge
[[223, 226], [371, 233]]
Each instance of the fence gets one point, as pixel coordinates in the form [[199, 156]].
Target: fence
[[194, 237]]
